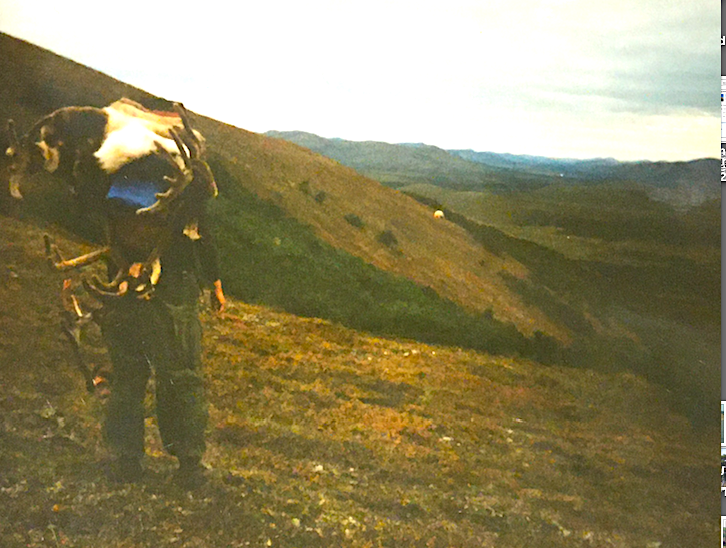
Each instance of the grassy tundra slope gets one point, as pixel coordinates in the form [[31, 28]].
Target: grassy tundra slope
[[324, 436]]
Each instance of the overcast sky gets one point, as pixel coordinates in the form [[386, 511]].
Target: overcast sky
[[630, 79]]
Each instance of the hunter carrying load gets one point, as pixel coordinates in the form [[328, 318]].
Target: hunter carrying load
[[142, 175]]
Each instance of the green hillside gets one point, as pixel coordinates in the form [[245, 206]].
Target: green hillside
[[268, 257]]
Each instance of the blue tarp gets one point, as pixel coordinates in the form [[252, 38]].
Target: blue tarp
[[135, 193]]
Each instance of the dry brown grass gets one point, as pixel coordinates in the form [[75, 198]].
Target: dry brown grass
[[324, 436]]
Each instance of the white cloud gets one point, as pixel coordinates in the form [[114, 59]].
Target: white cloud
[[566, 78]]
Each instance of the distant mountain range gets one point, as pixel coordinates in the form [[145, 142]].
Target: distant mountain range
[[397, 165], [527, 162]]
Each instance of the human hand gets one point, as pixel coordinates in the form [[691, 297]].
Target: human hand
[[217, 297]]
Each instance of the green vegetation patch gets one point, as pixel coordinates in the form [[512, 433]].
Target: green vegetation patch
[[268, 257]]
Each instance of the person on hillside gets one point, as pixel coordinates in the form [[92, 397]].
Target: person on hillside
[[162, 334]]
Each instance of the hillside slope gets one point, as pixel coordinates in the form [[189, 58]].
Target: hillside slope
[[397, 234], [626, 258], [322, 194], [637, 280], [323, 436]]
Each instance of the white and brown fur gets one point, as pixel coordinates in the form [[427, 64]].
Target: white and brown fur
[[133, 131], [81, 138]]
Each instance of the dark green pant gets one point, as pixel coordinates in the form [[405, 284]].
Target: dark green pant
[[163, 336]]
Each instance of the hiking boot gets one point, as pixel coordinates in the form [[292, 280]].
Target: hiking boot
[[126, 470], [190, 474]]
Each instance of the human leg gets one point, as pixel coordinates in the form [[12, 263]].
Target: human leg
[[181, 404], [124, 425]]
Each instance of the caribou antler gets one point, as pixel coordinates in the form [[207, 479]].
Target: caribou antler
[[178, 183], [195, 168], [72, 322], [127, 237], [13, 152], [138, 280], [197, 149], [13, 138], [191, 138], [57, 262]]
